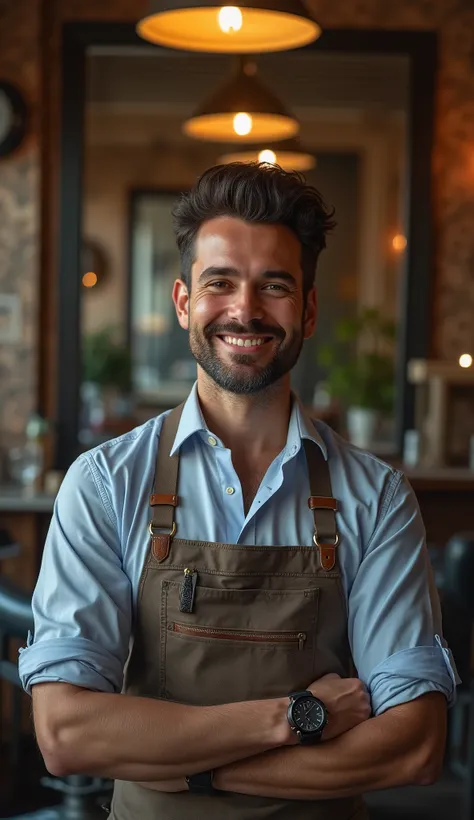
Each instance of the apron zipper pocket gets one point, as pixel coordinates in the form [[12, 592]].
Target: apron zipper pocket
[[237, 635], [187, 590]]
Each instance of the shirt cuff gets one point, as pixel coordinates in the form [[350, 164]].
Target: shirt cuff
[[410, 673], [69, 660]]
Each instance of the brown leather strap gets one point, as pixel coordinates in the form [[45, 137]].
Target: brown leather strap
[[159, 500], [323, 504], [166, 481], [320, 503]]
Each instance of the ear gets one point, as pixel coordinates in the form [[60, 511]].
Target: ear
[[310, 313], [181, 303]]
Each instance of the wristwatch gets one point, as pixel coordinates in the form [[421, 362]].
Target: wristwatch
[[201, 783], [307, 716]]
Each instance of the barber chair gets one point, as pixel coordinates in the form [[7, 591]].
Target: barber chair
[[82, 794], [459, 587]]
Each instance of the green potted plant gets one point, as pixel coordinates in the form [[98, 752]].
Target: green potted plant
[[106, 361], [107, 376], [360, 371]]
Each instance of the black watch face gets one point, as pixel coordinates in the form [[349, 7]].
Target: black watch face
[[308, 715]]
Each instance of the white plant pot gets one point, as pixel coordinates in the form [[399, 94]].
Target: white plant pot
[[362, 426]]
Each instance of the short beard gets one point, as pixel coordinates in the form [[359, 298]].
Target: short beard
[[284, 359]]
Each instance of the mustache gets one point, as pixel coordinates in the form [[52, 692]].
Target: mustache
[[234, 329]]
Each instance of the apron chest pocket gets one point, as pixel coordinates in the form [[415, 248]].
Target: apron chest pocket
[[236, 644]]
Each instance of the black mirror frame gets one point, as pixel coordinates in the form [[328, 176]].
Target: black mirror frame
[[414, 335]]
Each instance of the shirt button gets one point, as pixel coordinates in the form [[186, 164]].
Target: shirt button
[[230, 490], [212, 440]]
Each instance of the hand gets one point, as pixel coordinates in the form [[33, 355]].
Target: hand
[[346, 700]]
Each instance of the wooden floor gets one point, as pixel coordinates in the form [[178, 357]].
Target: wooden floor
[[22, 793]]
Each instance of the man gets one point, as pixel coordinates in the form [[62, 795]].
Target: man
[[210, 637]]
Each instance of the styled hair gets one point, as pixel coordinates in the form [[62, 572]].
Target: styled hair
[[254, 192]]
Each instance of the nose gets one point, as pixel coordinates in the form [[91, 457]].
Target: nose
[[246, 305]]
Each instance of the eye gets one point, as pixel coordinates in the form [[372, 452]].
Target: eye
[[219, 284], [274, 287]]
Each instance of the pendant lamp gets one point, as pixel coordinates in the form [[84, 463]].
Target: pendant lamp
[[252, 27], [289, 155], [243, 111]]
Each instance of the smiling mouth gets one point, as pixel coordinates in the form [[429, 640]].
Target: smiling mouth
[[247, 343]]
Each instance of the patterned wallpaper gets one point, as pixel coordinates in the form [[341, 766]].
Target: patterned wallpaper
[[19, 217], [20, 201]]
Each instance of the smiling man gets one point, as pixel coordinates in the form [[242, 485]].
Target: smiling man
[[242, 303], [235, 615]]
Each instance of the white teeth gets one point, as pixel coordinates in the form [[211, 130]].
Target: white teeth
[[243, 342]]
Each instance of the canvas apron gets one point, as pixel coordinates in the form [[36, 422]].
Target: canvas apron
[[258, 622]]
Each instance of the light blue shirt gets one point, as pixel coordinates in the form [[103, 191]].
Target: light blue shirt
[[85, 599]]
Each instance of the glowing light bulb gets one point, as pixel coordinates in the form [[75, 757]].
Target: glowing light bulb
[[267, 156], [242, 124], [465, 360], [399, 242], [229, 19], [89, 280]]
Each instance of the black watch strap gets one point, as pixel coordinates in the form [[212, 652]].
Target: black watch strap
[[310, 740], [302, 693], [201, 783]]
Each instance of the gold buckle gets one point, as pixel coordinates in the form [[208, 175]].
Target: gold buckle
[[152, 532], [325, 543]]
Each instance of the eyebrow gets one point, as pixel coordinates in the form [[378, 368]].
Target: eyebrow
[[215, 270]]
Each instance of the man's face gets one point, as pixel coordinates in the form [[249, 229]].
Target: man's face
[[245, 313]]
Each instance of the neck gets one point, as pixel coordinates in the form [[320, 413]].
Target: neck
[[255, 424]]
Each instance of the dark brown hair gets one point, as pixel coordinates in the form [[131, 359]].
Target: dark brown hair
[[254, 192]]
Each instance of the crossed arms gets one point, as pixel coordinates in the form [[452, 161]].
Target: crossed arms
[[249, 744]]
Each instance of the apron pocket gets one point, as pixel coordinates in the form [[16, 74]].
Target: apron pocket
[[236, 644]]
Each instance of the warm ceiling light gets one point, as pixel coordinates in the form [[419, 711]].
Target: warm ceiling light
[[229, 19], [289, 155], [399, 242], [242, 124], [465, 360], [254, 27], [267, 156], [89, 280], [243, 110]]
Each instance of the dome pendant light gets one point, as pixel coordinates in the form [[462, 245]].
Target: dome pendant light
[[253, 27], [242, 111], [289, 155]]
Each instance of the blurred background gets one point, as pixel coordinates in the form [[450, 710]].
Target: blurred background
[[106, 115]]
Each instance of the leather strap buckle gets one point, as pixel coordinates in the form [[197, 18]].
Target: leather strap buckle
[[327, 552], [169, 534], [161, 541]]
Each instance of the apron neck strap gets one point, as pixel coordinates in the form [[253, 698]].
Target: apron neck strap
[[164, 498], [322, 503]]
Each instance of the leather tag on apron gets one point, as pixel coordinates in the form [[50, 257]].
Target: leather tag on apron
[[160, 544], [327, 556]]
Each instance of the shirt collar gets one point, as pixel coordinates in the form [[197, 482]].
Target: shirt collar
[[301, 426], [191, 421]]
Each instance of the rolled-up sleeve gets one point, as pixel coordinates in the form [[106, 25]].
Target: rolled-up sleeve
[[82, 602], [394, 620]]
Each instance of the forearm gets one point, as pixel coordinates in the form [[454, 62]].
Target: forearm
[[381, 753], [140, 739]]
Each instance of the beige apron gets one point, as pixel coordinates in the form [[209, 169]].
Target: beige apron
[[220, 623]]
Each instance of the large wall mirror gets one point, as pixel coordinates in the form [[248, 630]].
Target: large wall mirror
[[364, 102]]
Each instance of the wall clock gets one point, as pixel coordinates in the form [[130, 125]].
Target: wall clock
[[13, 116]]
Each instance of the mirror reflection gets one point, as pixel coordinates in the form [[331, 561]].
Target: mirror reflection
[[352, 109]]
